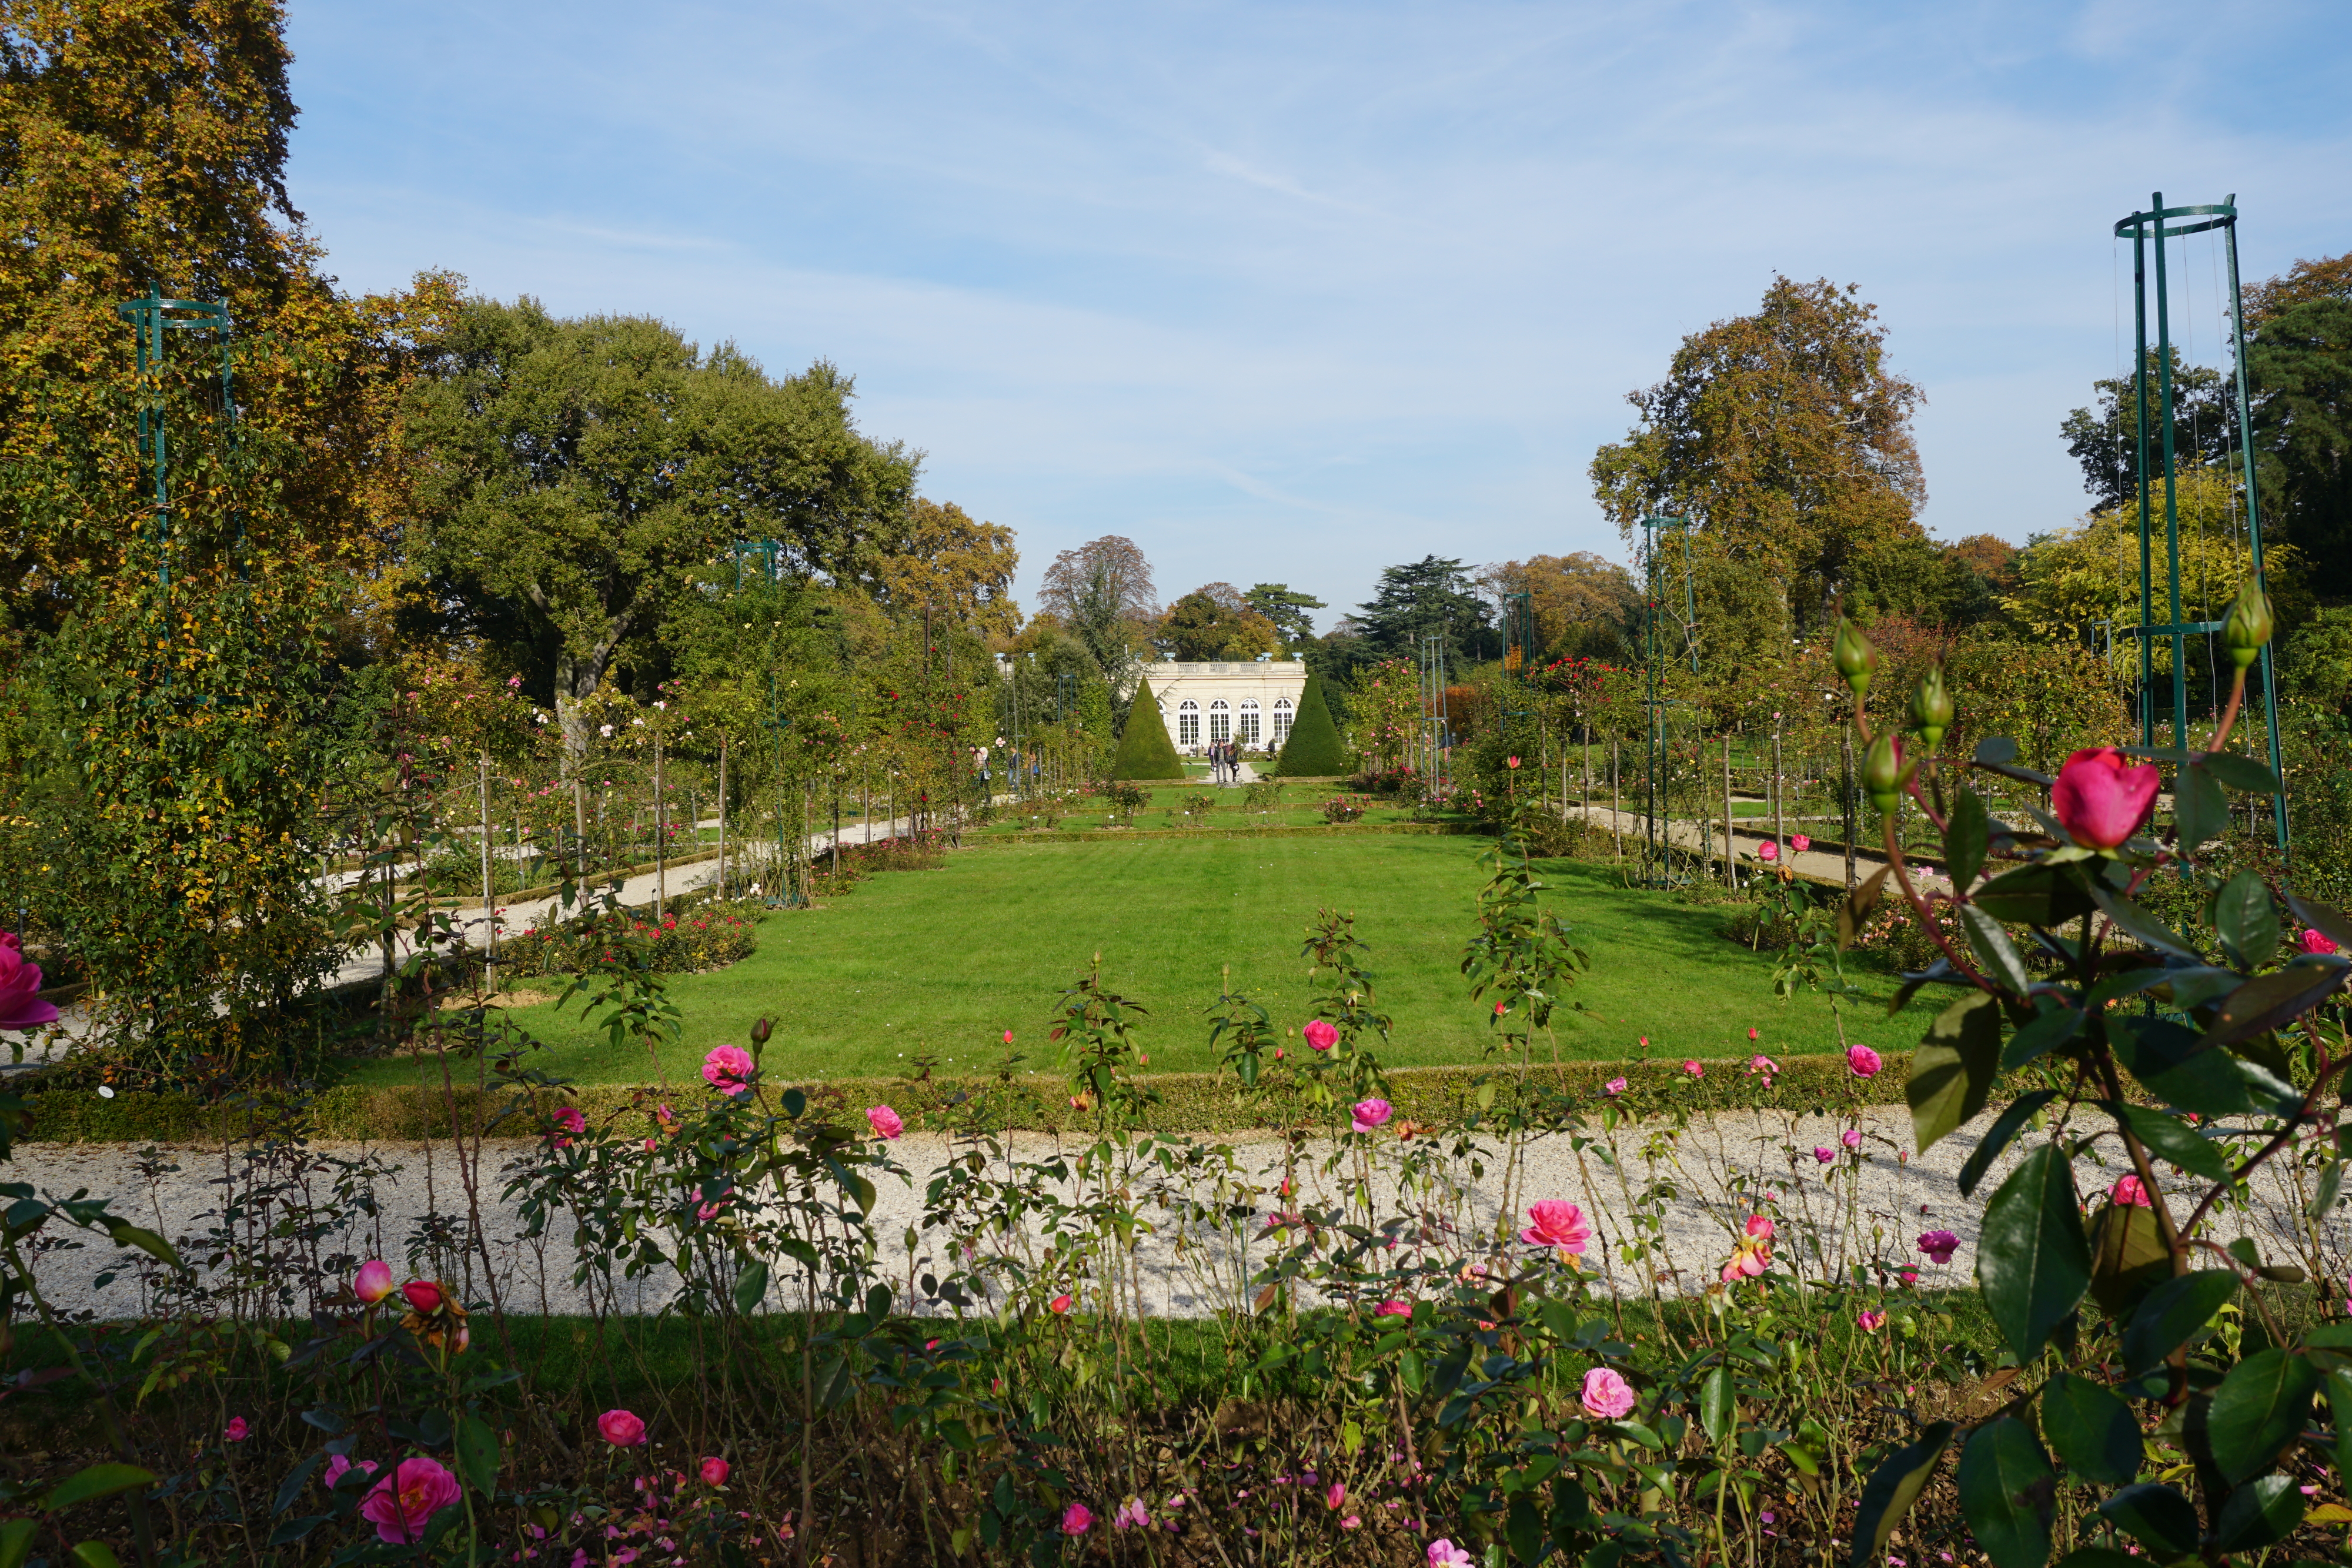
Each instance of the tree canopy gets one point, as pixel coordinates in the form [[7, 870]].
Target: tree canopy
[[580, 475], [1432, 594], [1215, 622], [1784, 437]]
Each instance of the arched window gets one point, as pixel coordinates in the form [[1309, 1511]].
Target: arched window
[[1188, 723], [1220, 723], [1248, 736], [1282, 717]]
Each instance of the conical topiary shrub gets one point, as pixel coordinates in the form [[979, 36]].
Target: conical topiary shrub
[[1145, 750], [1313, 750]]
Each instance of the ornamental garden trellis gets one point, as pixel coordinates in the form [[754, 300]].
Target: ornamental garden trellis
[[1657, 850], [2141, 228]]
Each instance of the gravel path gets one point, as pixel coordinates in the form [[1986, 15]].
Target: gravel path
[[1854, 1209]]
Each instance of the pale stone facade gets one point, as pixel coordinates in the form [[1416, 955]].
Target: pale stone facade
[[1253, 703]]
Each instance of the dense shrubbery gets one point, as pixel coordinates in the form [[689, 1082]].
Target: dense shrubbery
[[684, 941]]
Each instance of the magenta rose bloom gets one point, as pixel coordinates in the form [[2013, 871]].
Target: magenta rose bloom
[[728, 1069], [1862, 1062], [1320, 1034], [1557, 1223], [1606, 1394], [404, 1502], [2316, 941], [20, 984], [1939, 1246], [373, 1283], [424, 1295], [2100, 799], [714, 1472], [1077, 1519], [884, 1120], [1800, 842], [621, 1429], [1371, 1114], [2130, 1194]]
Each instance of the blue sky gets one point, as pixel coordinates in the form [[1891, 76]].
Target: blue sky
[[1290, 292]]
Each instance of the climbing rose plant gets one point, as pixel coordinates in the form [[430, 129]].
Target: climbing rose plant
[[2200, 1052]]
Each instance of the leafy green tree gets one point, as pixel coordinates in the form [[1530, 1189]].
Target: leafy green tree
[[1216, 622], [2299, 365], [585, 475], [1784, 437], [1313, 749], [1144, 749], [1287, 608], [1102, 592], [2105, 439], [1432, 595]]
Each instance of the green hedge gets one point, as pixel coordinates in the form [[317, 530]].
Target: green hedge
[[1313, 747], [1145, 751], [1189, 1102]]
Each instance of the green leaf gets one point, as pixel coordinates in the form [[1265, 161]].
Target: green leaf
[[1523, 1528], [2092, 1429], [2174, 1310], [2258, 1513], [1857, 907], [2247, 919], [1716, 1406], [2200, 810], [477, 1453], [1993, 948], [96, 1480], [2241, 773], [2006, 1491], [96, 1554], [2033, 1261], [2053, 1027], [1892, 1487], [1955, 1068], [2128, 1258], [16, 1541], [1966, 831], [2100, 1557], [2258, 1410], [2155, 1516], [2271, 1000], [2331, 1183], [147, 1241], [2039, 895], [2172, 1138], [751, 1286], [2177, 1066], [2338, 1388], [2019, 1112], [296, 1479], [1995, 748], [2138, 923]]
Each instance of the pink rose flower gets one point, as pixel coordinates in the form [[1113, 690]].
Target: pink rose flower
[[1862, 1062], [1319, 1034], [884, 1120], [728, 1069], [621, 1428], [20, 984], [402, 1504], [1759, 1227], [1077, 1519], [1371, 1114], [337, 1465], [1059, 1305], [714, 1472], [1444, 1553], [1392, 1309], [1765, 1065], [1800, 842], [424, 1295], [1615, 1086], [2314, 940], [1557, 1223], [236, 1431], [1694, 1069], [2100, 799], [1939, 1246], [373, 1283], [1870, 1321], [1824, 1155], [569, 1119], [1851, 1138], [1131, 1515], [1767, 850], [1606, 1394], [2128, 1193]]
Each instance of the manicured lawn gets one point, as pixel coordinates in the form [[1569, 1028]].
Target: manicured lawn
[[1174, 807], [946, 960]]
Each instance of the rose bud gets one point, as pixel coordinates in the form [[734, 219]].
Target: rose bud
[[1931, 707], [1882, 773], [2249, 623], [1855, 659]]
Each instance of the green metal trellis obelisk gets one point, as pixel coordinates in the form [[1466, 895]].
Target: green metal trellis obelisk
[[1657, 856], [2141, 228]]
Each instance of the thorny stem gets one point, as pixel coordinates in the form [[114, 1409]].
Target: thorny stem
[[2230, 713], [1920, 905]]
